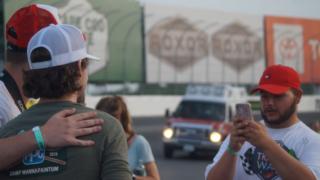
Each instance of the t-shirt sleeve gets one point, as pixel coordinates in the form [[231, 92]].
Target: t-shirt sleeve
[[7, 112], [3, 116], [310, 156], [145, 152], [8, 109], [7, 130], [218, 156], [115, 153]]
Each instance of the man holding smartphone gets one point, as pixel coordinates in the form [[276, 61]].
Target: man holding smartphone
[[285, 149]]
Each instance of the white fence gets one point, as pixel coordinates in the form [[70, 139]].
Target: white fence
[[145, 105]]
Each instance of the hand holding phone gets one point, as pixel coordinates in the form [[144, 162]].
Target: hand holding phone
[[243, 111]]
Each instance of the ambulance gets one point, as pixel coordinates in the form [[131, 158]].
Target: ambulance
[[202, 119]]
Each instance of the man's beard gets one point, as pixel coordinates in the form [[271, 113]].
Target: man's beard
[[283, 117]]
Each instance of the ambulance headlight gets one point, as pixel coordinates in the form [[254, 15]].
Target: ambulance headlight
[[215, 137], [167, 133]]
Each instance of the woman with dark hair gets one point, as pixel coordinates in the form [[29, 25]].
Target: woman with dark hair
[[141, 160]]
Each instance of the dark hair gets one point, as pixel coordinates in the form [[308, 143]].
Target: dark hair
[[114, 105], [53, 82], [16, 57]]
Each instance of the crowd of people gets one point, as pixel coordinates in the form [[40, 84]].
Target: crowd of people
[[60, 138]]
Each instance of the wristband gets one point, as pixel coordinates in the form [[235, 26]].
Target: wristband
[[38, 136], [231, 151]]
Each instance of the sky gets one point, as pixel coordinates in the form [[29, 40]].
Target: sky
[[294, 8]]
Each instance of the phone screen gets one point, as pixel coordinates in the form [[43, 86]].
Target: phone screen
[[243, 111]]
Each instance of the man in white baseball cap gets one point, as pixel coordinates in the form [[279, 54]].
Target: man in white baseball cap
[[58, 60], [63, 128]]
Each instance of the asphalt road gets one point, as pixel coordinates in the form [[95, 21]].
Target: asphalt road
[[183, 166]]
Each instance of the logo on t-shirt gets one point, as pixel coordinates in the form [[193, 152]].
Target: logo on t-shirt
[[254, 161], [41, 162], [36, 157]]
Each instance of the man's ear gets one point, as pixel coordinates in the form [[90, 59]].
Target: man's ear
[[298, 95], [79, 63]]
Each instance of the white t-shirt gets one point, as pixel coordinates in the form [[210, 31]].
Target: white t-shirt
[[8, 108], [298, 140]]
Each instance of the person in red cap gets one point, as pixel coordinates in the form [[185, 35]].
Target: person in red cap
[[63, 127], [285, 148]]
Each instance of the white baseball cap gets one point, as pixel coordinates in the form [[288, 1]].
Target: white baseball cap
[[65, 43]]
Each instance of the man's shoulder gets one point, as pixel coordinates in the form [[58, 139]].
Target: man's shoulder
[[110, 121], [141, 139], [304, 129], [306, 134], [100, 114]]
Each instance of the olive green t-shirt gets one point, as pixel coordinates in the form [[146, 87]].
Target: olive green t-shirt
[[107, 159]]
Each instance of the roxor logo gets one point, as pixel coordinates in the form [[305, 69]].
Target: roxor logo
[[178, 42], [237, 46]]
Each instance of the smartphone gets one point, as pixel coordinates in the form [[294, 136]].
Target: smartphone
[[243, 111]]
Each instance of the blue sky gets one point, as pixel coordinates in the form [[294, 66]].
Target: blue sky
[[296, 8]]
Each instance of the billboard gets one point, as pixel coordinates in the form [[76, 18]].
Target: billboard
[[294, 42], [186, 45], [113, 30], [93, 24]]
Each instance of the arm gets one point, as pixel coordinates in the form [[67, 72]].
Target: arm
[[224, 169], [21, 144], [286, 166], [60, 130], [152, 172], [226, 165], [146, 155]]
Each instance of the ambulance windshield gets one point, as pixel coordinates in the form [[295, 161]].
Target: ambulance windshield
[[201, 110]]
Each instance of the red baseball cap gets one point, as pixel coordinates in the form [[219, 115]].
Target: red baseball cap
[[278, 79], [26, 21]]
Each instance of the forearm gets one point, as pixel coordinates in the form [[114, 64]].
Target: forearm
[[14, 148], [285, 165], [152, 172], [224, 168]]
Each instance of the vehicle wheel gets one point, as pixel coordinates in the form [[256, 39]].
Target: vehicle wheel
[[168, 152]]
